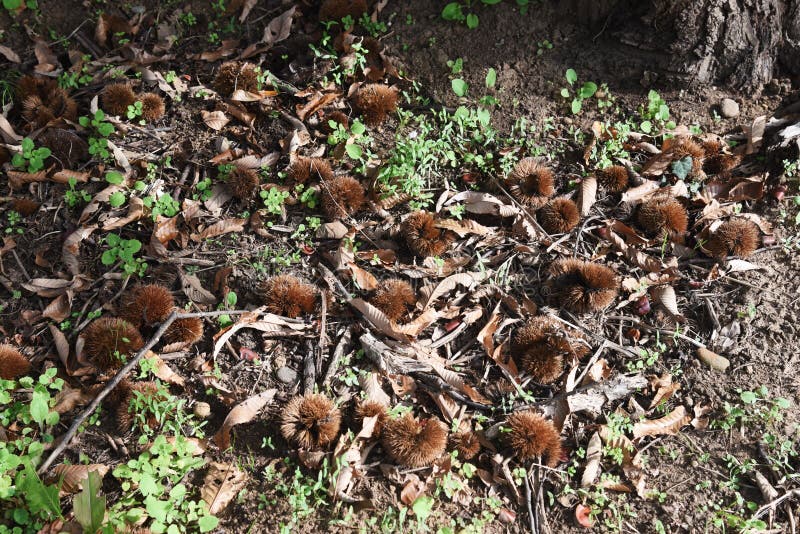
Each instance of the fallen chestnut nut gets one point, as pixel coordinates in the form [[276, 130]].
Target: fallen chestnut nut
[[634, 334], [643, 305]]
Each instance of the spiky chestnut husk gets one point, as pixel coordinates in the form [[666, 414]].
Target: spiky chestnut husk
[[541, 345], [375, 101], [304, 168], [25, 206], [467, 445], [712, 147], [581, 286], [12, 363], [736, 237], [412, 442], [43, 101], [532, 436], [153, 107], [370, 409], [311, 421], [67, 149], [108, 339], [531, 183], [341, 197], [116, 98], [243, 183], [558, 216], [680, 147], [336, 10], [147, 305], [288, 295], [663, 216], [235, 75], [394, 297], [721, 164], [134, 400], [422, 237], [188, 330], [614, 179]]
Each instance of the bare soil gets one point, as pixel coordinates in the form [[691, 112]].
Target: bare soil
[[688, 474]]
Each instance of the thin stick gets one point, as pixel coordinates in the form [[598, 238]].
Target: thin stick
[[114, 382], [528, 499], [771, 505], [338, 353]]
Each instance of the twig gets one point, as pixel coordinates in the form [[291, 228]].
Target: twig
[[338, 353], [323, 335], [22, 267], [114, 382], [309, 369], [528, 499], [772, 504]]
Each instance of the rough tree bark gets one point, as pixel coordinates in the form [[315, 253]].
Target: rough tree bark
[[740, 43]]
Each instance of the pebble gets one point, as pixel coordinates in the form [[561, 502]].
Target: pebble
[[728, 108], [202, 409], [287, 375]]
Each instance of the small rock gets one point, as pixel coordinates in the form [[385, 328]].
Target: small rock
[[287, 375], [728, 108], [202, 409]]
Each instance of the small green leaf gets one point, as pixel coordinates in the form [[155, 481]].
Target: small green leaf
[[452, 11], [422, 507], [354, 151], [27, 144], [472, 21], [459, 86], [682, 168], [358, 127], [491, 2], [207, 523], [114, 177], [571, 76], [39, 407], [646, 127], [108, 257], [116, 199], [588, 90], [491, 78], [748, 397], [483, 116], [576, 106], [133, 245]]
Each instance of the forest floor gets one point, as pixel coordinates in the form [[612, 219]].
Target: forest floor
[[671, 380]]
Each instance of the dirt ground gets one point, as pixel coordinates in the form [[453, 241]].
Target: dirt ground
[[699, 479]]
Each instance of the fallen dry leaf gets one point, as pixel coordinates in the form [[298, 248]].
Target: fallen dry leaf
[[221, 485], [225, 226], [587, 196], [243, 412], [216, 120], [72, 476], [269, 323], [594, 452], [668, 425]]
